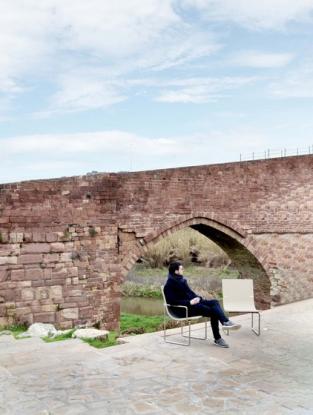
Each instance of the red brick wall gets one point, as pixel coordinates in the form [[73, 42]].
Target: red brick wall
[[66, 244]]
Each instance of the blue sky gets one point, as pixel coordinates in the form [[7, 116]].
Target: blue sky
[[144, 84]]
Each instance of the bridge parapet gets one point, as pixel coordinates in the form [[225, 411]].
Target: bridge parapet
[[66, 244]]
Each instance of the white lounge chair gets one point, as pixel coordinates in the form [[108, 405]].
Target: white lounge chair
[[238, 297], [168, 311]]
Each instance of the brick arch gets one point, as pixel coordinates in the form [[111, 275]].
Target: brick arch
[[232, 240]]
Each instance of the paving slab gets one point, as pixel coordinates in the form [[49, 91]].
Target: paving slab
[[270, 374]]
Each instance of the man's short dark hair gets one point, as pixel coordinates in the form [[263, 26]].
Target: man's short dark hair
[[174, 266]]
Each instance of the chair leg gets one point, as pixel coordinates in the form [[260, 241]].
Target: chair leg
[[196, 337], [256, 331], [165, 336], [188, 337]]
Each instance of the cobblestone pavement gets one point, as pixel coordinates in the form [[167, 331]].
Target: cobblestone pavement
[[271, 374]]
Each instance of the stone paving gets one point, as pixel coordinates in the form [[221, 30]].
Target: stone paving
[[271, 374]]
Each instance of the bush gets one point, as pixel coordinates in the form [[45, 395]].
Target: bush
[[186, 245]]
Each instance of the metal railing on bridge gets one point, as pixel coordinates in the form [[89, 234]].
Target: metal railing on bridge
[[270, 153]]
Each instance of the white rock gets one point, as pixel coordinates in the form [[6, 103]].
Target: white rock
[[91, 334], [5, 333], [41, 330]]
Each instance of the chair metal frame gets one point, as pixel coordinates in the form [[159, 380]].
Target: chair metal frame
[[248, 306], [187, 319]]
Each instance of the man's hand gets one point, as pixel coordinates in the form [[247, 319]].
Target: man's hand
[[195, 300]]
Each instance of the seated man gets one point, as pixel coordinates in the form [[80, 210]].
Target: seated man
[[177, 292]]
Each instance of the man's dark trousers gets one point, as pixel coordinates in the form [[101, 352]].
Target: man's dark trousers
[[212, 309]]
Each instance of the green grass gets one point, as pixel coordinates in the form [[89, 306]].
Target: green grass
[[190, 271], [58, 338], [15, 329], [131, 289], [134, 321], [100, 344]]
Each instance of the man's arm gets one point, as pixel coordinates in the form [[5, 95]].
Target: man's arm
[[194, 295]]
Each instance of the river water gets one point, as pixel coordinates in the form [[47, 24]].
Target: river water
[[142, 306]]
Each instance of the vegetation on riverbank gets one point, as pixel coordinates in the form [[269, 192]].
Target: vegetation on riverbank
[[137, 324], [145, 282], [186, 245], [204, 262]]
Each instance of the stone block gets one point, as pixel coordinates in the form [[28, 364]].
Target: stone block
[[24, 284], [47, 274], [74, 293], [66, 257], [56, 292], [8, 260], [16, 237], [4, 274], [65, 325], [42, 293], [27, 294], [22, 311], [30, 259], [9, 249], [57, 247], [51, 237], [44, 317], [39, 236], [72, 272], [34, 274], [49, 307], [18, 274], [4, 321], [50, 258], [69, 313], [35, 248]]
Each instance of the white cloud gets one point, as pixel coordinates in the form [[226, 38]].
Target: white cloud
[[115, 29], [49, 41], [83, 92], [255, 14], [202, 90], [24, 32], [44, 156], [256, 59], [107, 141], [296, 83]]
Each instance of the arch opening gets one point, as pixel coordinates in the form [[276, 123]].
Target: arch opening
[[243, 260], [230, 241]]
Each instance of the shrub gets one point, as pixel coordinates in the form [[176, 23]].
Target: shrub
[[186, 245]]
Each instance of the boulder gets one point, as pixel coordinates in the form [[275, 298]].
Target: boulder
[[91, 334], [40, 330]]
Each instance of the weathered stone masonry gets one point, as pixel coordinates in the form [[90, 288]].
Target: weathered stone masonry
[[66, 244]]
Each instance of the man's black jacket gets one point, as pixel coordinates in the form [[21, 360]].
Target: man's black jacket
[[177, 291]]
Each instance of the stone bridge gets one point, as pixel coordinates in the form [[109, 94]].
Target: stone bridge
[[66, 244]]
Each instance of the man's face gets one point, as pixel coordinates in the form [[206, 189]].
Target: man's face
[[180, 270]]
